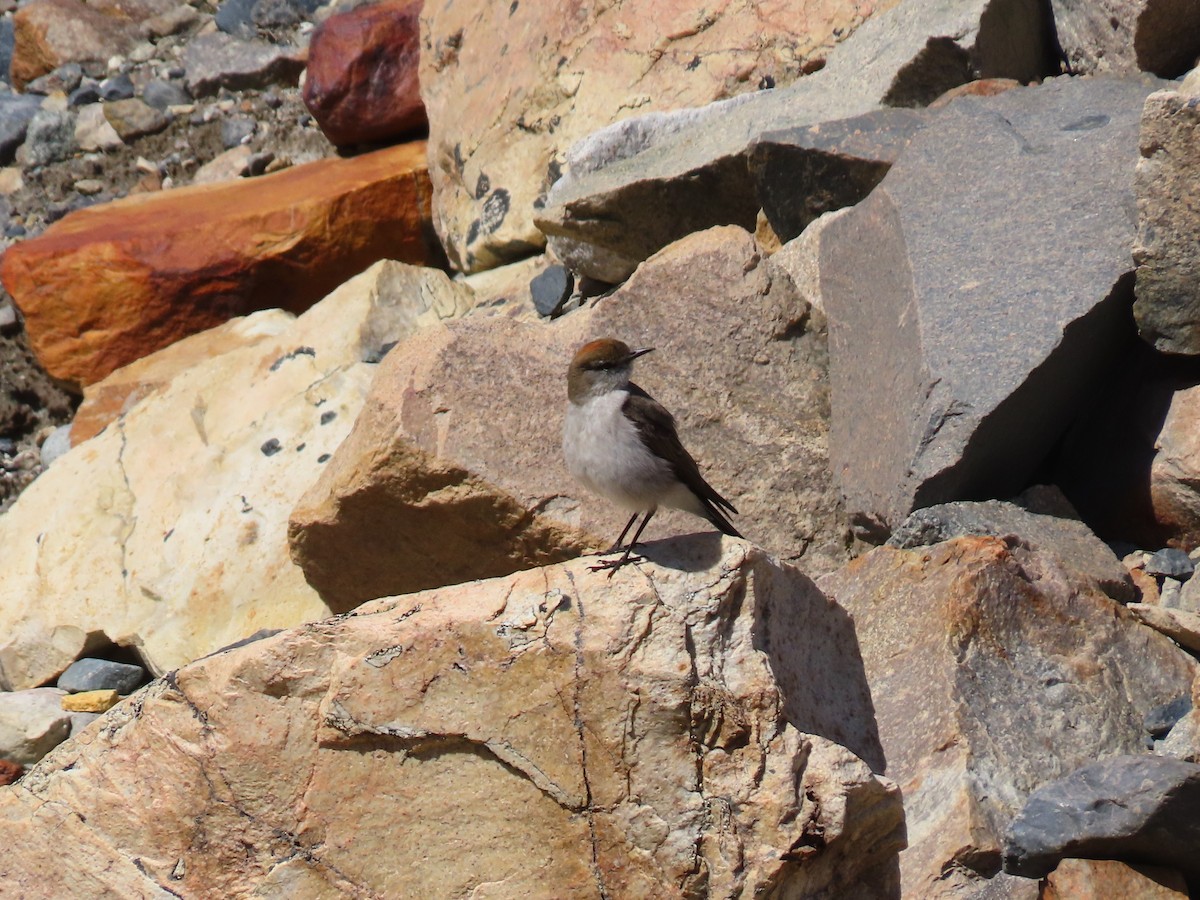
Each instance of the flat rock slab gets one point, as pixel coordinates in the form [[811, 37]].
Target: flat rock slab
[[459, 447], [636, 186], [215, 61], [801, 173], [165, 265], [1167, 309], [964, 336], [993, 670], [1135, 808], [585, 737]]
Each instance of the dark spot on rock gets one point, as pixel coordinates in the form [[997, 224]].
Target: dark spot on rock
[[1115, 23], [473, 232], [1087, 123], [328, 416], [271, 447], [300, 447], [813, 65], [482, 186], [299, 351], [495, 209], [323, 458], [694, 64], [167, 536], [513, 7], [459, 162], [766, 83], [373, 357], [553, 171]]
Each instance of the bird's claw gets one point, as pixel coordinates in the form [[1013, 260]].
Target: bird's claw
[[613, 564]]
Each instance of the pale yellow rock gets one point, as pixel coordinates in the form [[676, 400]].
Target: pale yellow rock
[[167, 530], [549, 734], [12, 180], [90, 701]]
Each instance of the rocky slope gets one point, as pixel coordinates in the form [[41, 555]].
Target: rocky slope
[[290, 554]]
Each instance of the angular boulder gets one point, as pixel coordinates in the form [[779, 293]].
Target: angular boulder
[[1100, 879], [1143, 809], [214, 61], [1167, 309], [1126, 36], [637, 185], [154, 272], [584, 737], [166, 532], [510, 86], [361, 82], [993, 670], [459, 447], [953, 405]]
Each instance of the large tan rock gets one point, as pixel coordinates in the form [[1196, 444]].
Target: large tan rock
[[167, 530], [548, 734], [993, 671], [1102, 879], [454, 470], [109, 284], [1175, 470], [509, 87]]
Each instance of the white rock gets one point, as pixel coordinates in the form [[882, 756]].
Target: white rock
[[32, 723]]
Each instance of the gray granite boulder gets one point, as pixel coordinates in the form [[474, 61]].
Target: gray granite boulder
[[1143, 809], [1167, 309], [977, 294], [642, 183], [89, 674], [16, 112], [215, 61]]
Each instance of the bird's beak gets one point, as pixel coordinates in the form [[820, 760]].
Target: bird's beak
[[634, 354]]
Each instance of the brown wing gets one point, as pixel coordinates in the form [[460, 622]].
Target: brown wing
[[656, 427]]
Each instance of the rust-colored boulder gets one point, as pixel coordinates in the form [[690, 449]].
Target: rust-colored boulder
[[362, 82], [110, 284]]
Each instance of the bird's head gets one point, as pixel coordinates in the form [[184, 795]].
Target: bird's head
[[599, 367]]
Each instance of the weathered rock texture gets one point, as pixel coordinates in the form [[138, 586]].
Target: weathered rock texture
[[1102, 879], [950, 405], [583, 737], [994, 670], [457, 450], [361, 81], [1159, 36], [162, 266], [635, 186], [167, 531], [510, 87], [48, 33], [1134, 808], [32, 723], [1168, 242]]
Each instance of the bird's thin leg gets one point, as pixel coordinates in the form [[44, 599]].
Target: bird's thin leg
[[624, 531], [611, 565]]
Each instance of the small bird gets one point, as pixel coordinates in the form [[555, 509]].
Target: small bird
[[621, 443]]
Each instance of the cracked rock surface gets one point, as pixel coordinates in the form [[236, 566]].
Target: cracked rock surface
[[550, 733]]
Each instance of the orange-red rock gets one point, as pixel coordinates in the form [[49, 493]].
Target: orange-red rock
[[110, 284], [362, 73], [10, 771]]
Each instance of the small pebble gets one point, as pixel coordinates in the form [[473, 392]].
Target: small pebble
[[1162, 719], [84, 95], [271, 447], [1171, 562], [118, 87], [90, 701], [89, 186]]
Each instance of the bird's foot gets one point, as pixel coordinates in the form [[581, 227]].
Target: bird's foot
[[613, 564]]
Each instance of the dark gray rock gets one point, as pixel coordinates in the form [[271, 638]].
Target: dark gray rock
[[1162, 719], [118, 87], [272, 14], [1168, 241], [1070, 540], [236, 130], [88, 92], [16, 111], [801, 173], [101, 674], [65, 78], [6, 48], [1171, 562], [1129, 36], [161, 94], [987, 279], [49, 138], [647, 181], [1138, 809], [550, 290], [215, 61], [233, 17]]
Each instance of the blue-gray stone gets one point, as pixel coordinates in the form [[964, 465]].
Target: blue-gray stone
[[161, 94], [49, 138], [88, 92], [65, 78], [118, 87], [233, 17], [1162, 719], [235, 130], [1171, 562], [101, 674], [1143, 809], [6, 47], [550, 290], [16, 112]]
